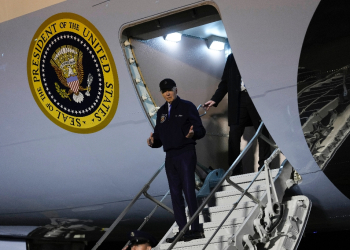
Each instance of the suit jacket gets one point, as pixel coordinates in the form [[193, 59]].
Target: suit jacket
[[231, 84], [170, 132]]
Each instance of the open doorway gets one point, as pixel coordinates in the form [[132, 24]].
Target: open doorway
[[194, 66]]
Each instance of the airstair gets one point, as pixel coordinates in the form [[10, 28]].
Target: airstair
[[244, 212], [249, 211], [275, 223]]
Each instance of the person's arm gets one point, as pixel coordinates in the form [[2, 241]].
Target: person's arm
[[154, 141], [219, 93], [223, 86], [197, 131]]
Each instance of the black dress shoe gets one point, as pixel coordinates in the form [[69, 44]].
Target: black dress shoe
[[170, 240], [193, 235]]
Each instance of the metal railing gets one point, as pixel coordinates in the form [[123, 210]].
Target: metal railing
[[121, 216], [149, 216], [218, 185], [205, 112], [244, 192]]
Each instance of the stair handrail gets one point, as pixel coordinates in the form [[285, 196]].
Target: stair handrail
[[146, 219], [121, 216], [218, 185], [245, 192]]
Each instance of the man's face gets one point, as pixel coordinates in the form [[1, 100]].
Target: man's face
[[170, 95], [145, 246]]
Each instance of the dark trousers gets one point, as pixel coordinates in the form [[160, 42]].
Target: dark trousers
[[248, 113], [180, 172]]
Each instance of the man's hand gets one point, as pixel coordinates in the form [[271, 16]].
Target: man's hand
[[190, 133], [208, 104], [150, 140]]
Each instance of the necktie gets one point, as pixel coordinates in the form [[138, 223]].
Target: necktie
[[169, 111]]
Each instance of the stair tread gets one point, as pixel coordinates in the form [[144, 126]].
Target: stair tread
[[182, 244], [207, 225], [227, 207], [252, 190], [240, 179], [243, 185]]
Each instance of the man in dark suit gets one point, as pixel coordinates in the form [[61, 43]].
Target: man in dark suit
[[178, 126], [241, 112]]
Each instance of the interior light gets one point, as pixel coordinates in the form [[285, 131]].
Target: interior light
[[173, 37], [216, 43]]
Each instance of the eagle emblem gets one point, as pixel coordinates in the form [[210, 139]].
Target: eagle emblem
[[68, 64]]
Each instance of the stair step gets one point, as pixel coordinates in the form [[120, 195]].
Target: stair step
[[218, 242], [218, 213], [228, 199], [234, 192], [228, 228], [244, 185], [223, 200], [247, 178]]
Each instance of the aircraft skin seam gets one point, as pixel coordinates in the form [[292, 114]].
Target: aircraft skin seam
[[70, 208]]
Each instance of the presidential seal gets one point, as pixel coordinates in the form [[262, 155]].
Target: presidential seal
[[163, 118], [72, 74]]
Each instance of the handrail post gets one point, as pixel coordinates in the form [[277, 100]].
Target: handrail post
[[146, 219], [267, 169], [157, 202], [244, 191], [204, 203], [120, 217], [234, 207]]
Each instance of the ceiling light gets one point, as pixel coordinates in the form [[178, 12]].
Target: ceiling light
[[215, 45], [216, 42], [173, 37]]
